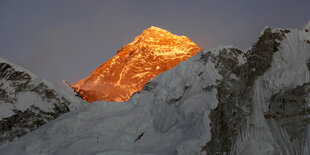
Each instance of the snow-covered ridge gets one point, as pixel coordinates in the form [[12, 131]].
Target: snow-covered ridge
[[170, 115], [17, 67], [27, 102]]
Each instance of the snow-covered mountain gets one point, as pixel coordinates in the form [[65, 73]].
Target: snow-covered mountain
[[154, 51], [220, 101], [28, 102]]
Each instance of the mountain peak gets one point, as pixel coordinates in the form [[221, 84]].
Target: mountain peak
[[158, 38], [157, 29], [157, 32], [154, 51]]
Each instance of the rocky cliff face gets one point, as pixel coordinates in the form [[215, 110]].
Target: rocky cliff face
[[234, 91], [27, 102], [151, 53]]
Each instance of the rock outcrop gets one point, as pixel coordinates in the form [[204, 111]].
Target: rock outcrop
[[27, 102]]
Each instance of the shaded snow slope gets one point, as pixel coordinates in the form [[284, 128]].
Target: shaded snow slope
[[27, 102], [220, 101], [169, 116]]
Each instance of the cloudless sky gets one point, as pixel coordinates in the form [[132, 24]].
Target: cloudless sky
[[68, 39]]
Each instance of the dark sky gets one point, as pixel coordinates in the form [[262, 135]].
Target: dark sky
[[68, 39]]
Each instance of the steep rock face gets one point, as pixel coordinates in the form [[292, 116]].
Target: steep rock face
[[287, 70], [27, 102], [290, 108], [151, 53], [234, 91], [244, 121]]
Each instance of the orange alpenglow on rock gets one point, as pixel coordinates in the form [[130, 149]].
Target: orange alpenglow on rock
[[151, 53]]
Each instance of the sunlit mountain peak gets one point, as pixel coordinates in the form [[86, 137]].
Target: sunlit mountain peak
[[154, 51]]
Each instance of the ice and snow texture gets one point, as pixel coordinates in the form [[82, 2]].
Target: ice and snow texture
[[288, 70], [170, 116], [25, 99]]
